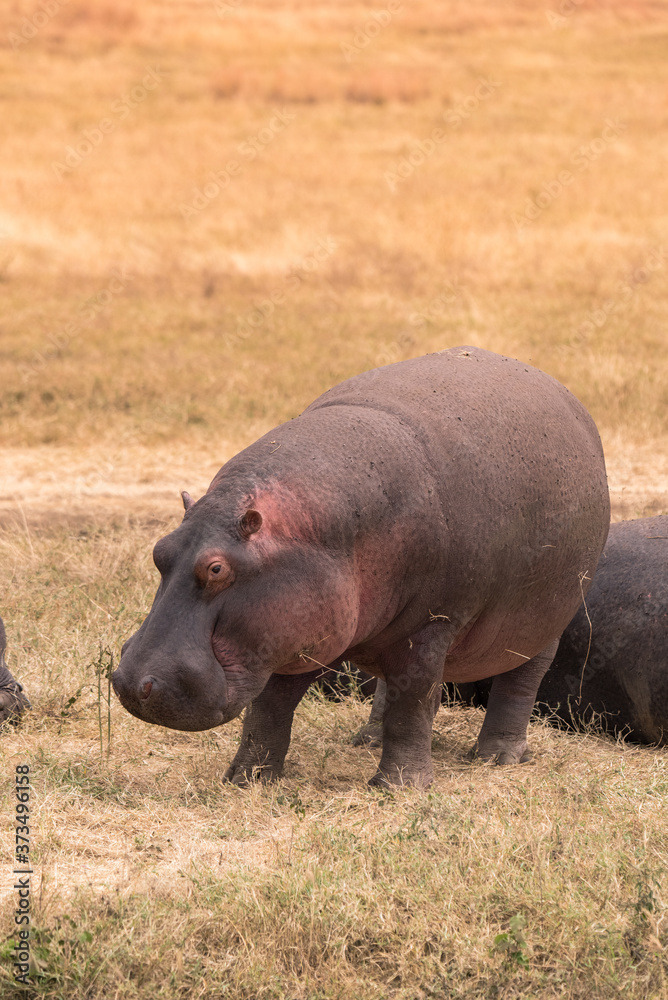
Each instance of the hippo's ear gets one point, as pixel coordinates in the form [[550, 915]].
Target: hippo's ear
[[187, 500], [250, 523]]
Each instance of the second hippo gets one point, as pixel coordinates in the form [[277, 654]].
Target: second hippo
[[623, 683]]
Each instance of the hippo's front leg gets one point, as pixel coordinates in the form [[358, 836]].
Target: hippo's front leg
[[413, 676], [503, 737], [265, 737]]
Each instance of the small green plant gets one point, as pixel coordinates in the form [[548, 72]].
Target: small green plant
[[104, 668], [72, 701], [513, 942], [7, 950]]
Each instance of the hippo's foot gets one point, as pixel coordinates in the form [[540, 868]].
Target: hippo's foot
[[370, 735], [248, 767], [501, 750], [402, 777], [13, 703], [503, 737]]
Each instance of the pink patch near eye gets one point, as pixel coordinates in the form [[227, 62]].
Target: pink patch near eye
[[146, 689]]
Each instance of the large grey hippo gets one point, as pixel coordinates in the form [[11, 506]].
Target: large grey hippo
[[437, 518], [622, 685], [13, 701]]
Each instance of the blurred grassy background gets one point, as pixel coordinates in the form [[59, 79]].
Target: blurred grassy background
[[183, 349]]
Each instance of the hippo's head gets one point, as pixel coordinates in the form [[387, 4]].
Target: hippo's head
[[246, 590]]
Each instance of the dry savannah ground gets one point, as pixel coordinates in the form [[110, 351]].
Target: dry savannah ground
[[211, 212]]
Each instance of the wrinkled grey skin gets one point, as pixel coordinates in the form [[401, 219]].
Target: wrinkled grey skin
[[12, 700], [435, 519], [625, 678]]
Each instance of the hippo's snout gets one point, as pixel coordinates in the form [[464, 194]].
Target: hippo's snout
[[186, 696]]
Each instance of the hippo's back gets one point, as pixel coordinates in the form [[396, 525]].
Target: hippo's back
[[510, 427], [508, 446], [432, 391]]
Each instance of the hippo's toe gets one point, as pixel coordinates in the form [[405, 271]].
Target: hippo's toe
[[402, 777], [501, 751], [244, 771]]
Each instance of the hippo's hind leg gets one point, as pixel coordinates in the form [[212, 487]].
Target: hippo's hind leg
[[371, 733], [503, 737], [265, 737]]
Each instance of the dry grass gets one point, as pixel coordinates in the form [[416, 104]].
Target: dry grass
[[155, 879], [140, 349]]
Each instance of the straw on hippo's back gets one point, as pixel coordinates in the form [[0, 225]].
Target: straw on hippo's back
[[12, 700], [440, 517]]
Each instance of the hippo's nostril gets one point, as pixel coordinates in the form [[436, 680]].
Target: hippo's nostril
[[146, 687]]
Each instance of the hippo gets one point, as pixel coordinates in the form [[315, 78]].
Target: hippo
[[620, 681], [438, 518], [13, 701]]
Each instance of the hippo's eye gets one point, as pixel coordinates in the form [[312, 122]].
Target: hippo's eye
[[213, 571]]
